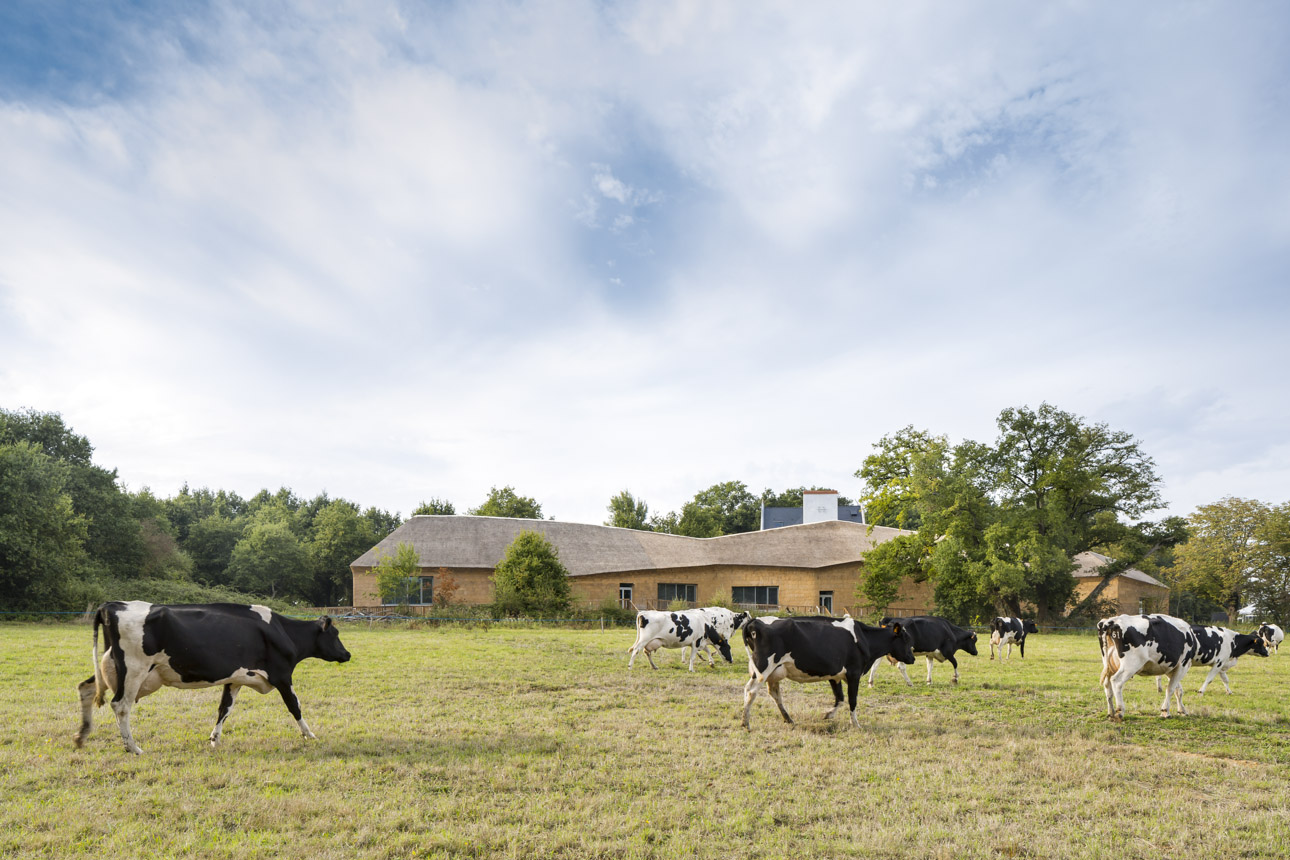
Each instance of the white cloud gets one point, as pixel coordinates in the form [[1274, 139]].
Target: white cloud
[[368, 254]]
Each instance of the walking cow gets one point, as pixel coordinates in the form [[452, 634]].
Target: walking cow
[[1150, 644], [656, 629], [933, 638], [1272, 636], [199, 645], [1006, 631], [816, 649]]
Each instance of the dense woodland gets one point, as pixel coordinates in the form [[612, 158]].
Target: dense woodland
[[993, 526]]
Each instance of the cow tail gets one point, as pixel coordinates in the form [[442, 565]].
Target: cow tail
[[100, 683], [1107, 639]]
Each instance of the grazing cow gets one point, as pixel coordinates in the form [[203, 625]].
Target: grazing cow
[[656, 629], [1006, 631], [725, 622], [1150, 644], [1271, 635], [933, 638], [817, 649], [199, 645]]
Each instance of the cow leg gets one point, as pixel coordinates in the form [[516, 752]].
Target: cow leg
[[1222, 674], [952, 662], [128, 694], [1212, 673], [751, 689], [904, 674], [1021, 646], [293, 705], [928, 658], [853, 687], [837, 696], [225, 705], [86, 692], [773, 687]]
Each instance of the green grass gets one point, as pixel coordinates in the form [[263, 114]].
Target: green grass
[[524, 743]]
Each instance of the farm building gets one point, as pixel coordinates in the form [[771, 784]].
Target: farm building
[[800, 567], [1131, 591]]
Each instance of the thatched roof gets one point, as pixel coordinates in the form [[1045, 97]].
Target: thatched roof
[[1090, 561], [480, 542]]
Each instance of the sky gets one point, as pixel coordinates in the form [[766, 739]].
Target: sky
[[403, 251]]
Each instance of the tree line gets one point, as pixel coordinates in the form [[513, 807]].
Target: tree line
[[992, 526]]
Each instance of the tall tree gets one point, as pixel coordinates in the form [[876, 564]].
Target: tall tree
[[628, 512], [1269, 586], [507, 503], [735, 509], [339, 536], [395, 572], [1217, 561], [270, 560], [41, 535], [893, 476]]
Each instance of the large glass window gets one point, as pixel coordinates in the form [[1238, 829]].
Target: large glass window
[[755, 595], [418, 591], [625, 595], [669, 591]]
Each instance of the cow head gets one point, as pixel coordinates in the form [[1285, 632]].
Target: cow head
[[902, 644], [969, 645], [710, 633], [327, 645], [1256, 645], [740, 620], [1029, 627]]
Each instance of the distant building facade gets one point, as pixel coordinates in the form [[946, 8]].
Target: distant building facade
[[810, 567], [818, 506], [1130, 592]]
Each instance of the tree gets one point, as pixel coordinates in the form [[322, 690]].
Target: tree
[[1009, 518], [1218, 561], [435, 507], [339, 536], [628, 512], [888, 565], [394, 571], [736, 510], [1269, 585], [505, 503], [41, 535], [270, 560], [698, 521], [530, 580], [210, 545]]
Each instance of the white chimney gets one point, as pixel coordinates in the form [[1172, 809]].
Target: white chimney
[[819, 506]]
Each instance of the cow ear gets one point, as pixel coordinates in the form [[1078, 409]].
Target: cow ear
[[896, 628], [325, 621]]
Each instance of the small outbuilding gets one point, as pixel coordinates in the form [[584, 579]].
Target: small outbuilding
[[1131, 591]]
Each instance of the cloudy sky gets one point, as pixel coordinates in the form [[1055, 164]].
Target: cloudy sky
[[413, 250]]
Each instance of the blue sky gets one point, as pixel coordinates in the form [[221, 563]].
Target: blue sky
[[398, 251]]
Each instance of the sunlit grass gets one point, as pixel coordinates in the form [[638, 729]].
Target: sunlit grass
[[534, 742]]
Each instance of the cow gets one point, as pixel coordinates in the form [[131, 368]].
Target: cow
[[199, 645], [725, 622], [1220, 647], [1271, 635], [1150, 644], [1007, 631], [817, 649], [657, 629], [933, 638]]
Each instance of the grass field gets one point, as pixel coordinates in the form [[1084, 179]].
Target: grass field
[[538, 743]]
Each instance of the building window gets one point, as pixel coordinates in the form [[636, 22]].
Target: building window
[[826, 602], [755, 595], [625, 595], [418, 591], [669, 591]]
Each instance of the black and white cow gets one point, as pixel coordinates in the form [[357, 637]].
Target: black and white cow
[[200, 645], [1220, 647], [1007, 631], [657, 629], [933, 638], [816, 649], [725, 622], [1272, 636], [1150, 644]]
